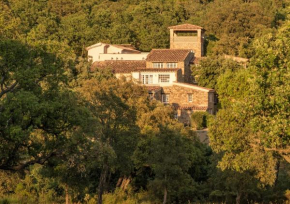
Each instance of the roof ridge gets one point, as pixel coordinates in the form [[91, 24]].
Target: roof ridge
[[185, 26], [169, 49], [192, 85]]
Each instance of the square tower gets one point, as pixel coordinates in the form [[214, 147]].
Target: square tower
[[187, 36]]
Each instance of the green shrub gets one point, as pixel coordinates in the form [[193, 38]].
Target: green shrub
[[4, 201], [199, 120]]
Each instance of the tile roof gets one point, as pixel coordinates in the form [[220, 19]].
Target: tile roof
[[193, 86], [121, 46], [127, 47], [176, 106], [120, 66], [157, 69], [185, 27], [168, 55], [153, 88]]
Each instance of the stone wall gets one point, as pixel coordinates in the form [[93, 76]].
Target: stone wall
[[179, 95], [193, 43]]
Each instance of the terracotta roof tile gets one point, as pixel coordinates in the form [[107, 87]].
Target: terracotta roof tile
[[185, 27], [153, 88], [126, 47], [190, 107], [120, 66], [167, 55], [193, 86]]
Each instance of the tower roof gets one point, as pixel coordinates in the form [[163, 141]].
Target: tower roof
[[185, 27]]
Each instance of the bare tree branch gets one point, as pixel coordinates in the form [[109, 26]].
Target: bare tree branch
[[9, 89], [40, 160]]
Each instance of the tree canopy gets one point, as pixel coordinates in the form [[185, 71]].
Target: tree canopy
[[70, 135]]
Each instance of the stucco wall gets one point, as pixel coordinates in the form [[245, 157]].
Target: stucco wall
[[95, 52], [141, 56], [112, 49], [173, 77]]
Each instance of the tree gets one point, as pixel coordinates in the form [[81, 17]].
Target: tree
[[170, 151], [235, 24], [37, 111], [207, 72], [113, 104], [252, 128]]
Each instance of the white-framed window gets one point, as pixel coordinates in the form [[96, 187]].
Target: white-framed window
[[165, 98], [157, 65], [163, 78], [171, 65], [189, 96], [147, 79]]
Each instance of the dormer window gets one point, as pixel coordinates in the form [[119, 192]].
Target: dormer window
[[157, 65], [171, 65]]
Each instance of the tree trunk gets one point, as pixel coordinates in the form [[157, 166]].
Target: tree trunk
[[277, 172], [102, 183], [123, 182], [238, 198], [165, 196], [66, 195]]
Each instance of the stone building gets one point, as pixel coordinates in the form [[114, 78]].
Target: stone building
[[187, 36], [185, 98], [172, 58], [166, 73]]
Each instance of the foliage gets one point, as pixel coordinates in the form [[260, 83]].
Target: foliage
[[69, 134], [251, 129], [206, 73], [172, 153], [144, 24], [32, 98], [199, 120]]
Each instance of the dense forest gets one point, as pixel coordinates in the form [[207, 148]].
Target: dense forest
[[70, 135]]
